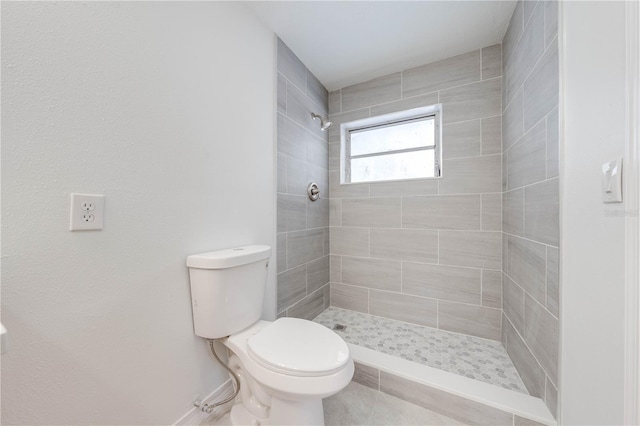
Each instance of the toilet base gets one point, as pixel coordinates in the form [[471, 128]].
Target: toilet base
[[282, 412]]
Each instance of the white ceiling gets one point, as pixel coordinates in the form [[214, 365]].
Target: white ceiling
[[347, 42]]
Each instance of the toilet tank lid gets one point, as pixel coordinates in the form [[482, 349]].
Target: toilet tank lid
[[229, 258]]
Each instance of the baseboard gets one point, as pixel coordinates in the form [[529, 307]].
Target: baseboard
[[195, 416]]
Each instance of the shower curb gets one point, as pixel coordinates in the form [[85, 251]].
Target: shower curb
[[454, 396]]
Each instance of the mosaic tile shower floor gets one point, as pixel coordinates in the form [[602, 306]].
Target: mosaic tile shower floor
[[474, 357]]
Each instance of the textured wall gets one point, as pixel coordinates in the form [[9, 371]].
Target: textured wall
[[530, 200], [146, 103], [303, 225], [425, 251]]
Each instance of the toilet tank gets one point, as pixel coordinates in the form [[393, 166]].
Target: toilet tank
[[227, 289]]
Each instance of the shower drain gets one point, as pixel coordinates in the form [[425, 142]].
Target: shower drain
[[339, 327]]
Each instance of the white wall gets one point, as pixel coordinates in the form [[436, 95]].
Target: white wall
[[592, 256], [168, 109]]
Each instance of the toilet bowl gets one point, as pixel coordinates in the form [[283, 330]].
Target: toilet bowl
[[284, 367]]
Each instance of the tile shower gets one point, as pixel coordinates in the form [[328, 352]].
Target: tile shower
[[468, 261]]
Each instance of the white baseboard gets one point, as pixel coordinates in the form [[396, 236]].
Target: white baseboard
[[195, 416]]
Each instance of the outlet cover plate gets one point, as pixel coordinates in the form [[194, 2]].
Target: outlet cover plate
[[87, 212]]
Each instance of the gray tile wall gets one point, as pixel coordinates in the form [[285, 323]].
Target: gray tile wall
[[461, 409], [302, 225], [530, 199], [426, 251]]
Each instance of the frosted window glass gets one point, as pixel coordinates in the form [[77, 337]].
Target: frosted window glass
[[395, 137], [405, 165]]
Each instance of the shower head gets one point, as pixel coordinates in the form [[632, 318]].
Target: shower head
[[324, 122]]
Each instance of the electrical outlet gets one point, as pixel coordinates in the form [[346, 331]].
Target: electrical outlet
[[87, 212]]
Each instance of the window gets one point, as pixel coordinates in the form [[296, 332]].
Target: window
[[404, 145]]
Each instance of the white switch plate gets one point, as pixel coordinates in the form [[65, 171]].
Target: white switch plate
[[612, 181], [87, 212]]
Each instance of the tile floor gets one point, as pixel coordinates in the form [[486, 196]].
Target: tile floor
[[359, 405], [473, 357]]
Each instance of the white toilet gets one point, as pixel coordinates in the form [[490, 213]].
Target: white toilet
[[285, 367]]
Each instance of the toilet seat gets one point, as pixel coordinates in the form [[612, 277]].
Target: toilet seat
[[297, 347]]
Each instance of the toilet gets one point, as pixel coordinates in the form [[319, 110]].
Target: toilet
[[285, 367]]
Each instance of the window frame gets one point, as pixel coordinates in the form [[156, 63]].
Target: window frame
[[388, 120]]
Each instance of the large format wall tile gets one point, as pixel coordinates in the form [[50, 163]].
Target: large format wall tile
[[371, 273], [526, 159], [281, 179], [492, 288], [352, 190], [462, 139], [385, 236], [553, 288], [291, 138], [513, 297], [541, 89], [527, 262], [513, 121], [335, 266], [470, 319], [442, 212], [526, 53], [541, 332], [371, 212], [335, 102], [292, 287], [290, 66], [442, 282], [513, 34], [471, 248], [350, 297], [491, 135], [553, 136], [304, 246], [297, 176], [451, 72], [416, 310], [492, 212], [404, 244], [309, 307], [550, 22], [492, 61], [471, 175], [530, 202], [317, 273], [475, 100], [530, 371], [372, 92], [513, 212], [542, 212], [317, 92], [282, 94], [299, 107], [281, 251], [404, 104], [292, 212], [551, 397], [349, 241], [318, 213], [302, 156], [404, 188]]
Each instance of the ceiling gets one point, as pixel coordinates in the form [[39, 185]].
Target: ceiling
[[347, 42]]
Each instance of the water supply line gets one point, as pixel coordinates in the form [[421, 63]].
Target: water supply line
[[208, 408]]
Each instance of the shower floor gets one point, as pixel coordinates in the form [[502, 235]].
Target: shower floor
[[469, 356]]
